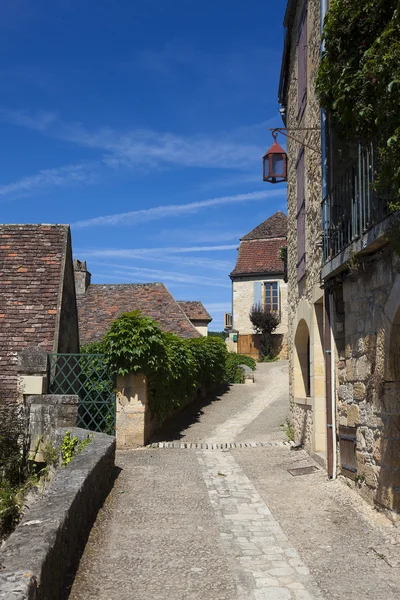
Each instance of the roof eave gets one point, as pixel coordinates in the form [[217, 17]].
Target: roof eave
[[282, 89], [255, 274]]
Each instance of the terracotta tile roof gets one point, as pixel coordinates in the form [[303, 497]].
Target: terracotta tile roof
[[102, 304], [259, 257], [32, 259], [194, 310], [274, 227]]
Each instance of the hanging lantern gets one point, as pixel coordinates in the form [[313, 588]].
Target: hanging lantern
[[275, 163]]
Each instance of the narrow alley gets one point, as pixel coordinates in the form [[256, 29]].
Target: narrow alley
[[211, 512]]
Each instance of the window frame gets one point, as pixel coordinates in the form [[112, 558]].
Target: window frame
[[270, 285]]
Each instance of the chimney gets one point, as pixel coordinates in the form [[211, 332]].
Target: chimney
[[82, 277]]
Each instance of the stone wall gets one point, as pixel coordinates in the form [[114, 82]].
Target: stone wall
[[243, 300], [308, 288], [37, 557], [368, 379]]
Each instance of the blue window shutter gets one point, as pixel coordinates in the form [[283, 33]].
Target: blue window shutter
[[258, 293]]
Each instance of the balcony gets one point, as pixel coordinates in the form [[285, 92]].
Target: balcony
[[353, 208]]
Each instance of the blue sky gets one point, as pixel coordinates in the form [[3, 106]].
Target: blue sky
[[142, 124]]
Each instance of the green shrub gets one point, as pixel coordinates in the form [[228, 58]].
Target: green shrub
[[233, 360], [135, 343], [175, 368]]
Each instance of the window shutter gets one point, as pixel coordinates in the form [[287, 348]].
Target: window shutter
[[257, 293], [302, 54], [301, 217]]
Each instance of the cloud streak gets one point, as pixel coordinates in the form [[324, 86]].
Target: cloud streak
[[133, 150], [134, 274], [80, 173], [173, 210]]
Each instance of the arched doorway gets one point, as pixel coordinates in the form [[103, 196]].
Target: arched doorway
[[302, 372]]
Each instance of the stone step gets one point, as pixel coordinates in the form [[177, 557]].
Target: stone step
[[215, 446]]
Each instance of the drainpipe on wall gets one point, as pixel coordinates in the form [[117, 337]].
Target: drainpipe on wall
[[330, 386], [329, 342], [333, 389]]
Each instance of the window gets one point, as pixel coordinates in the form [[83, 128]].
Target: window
[[301, 217], [302, 55], [271, 295]]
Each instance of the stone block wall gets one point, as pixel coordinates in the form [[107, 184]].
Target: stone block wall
[[368, 394], [308, 288], [243, 301]]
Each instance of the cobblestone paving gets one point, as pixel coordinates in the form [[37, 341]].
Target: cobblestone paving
[[265, 565], [210, 512], [230, 429]]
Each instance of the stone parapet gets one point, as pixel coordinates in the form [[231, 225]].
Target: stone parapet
[[37, 557]]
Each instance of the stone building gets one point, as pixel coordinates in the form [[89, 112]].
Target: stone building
[[197, 315], [37, 295], [100, 304], [344, 284], [259, 279]]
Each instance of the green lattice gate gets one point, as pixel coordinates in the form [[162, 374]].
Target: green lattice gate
[[87, 376]]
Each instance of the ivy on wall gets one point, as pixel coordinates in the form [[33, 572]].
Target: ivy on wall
[[358, 80]]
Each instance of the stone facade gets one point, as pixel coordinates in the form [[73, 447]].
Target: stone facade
[[243, 300], [368, 373], [258, 265], [361, 330], [304, 295]]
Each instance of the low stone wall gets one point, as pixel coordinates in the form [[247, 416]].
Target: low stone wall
[[36, 558], [302, 421]]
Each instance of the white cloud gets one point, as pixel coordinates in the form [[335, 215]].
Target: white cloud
[[39, 120], [174, 210], [67, 175], [137, 150], [136, 274]]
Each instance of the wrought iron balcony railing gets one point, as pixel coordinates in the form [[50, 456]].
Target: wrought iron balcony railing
[[354, 205]]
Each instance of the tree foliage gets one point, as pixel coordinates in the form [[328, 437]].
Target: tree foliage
[[358, 81], [264, 321], [175, 367]]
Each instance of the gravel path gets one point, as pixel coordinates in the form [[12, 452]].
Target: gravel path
[[233, 524]]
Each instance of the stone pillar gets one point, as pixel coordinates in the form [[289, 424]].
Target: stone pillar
[[47, 413], [134, 424], [32, 371]]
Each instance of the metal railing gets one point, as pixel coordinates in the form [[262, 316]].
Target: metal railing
[[354, 205], [87, 376]]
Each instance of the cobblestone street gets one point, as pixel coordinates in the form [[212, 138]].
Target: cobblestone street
[[212, 513]]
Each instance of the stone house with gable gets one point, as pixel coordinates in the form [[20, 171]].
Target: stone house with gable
[[37, 296], [344, 284], [259, 279], [197, 315], [100, 304]]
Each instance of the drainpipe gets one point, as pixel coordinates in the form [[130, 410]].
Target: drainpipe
[[333, 388], [330, 386]]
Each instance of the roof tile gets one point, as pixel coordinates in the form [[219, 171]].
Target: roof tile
[[30, 292], [274, 227], [194, 310], [102, 304]]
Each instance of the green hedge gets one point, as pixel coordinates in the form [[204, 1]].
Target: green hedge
[[175, 367], [233, 360]]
